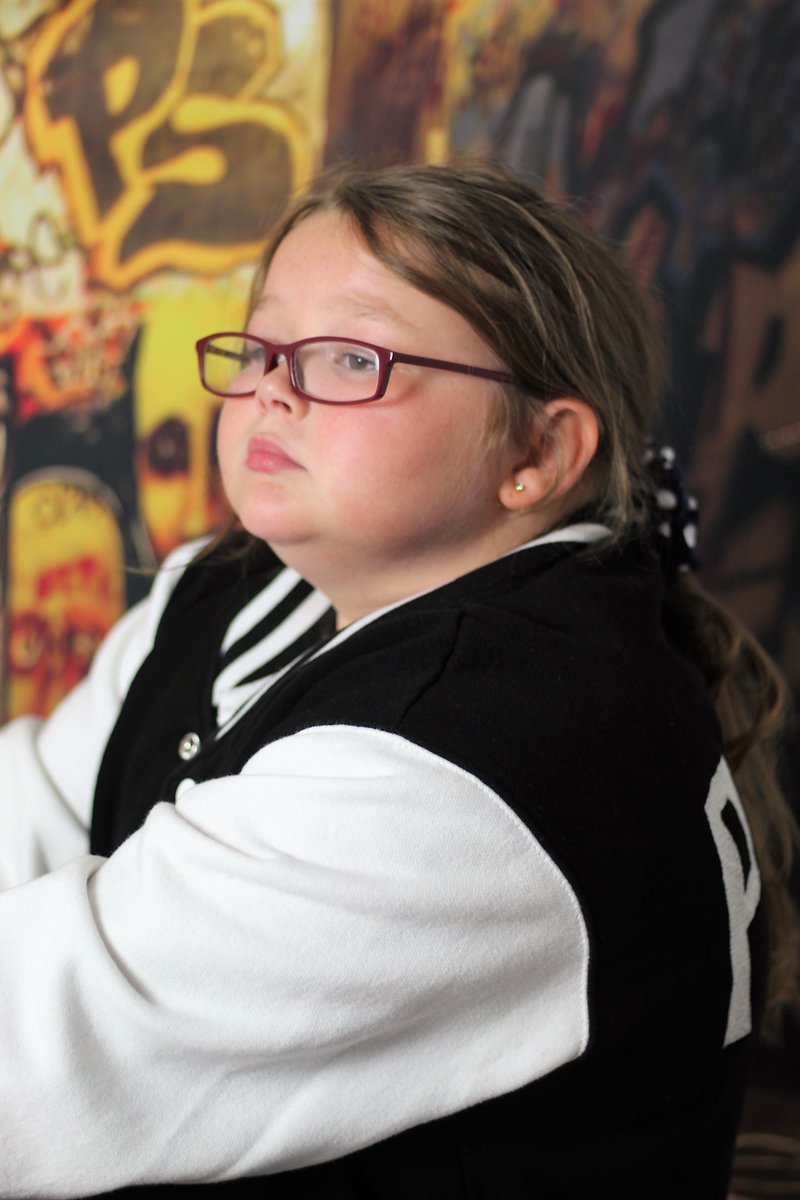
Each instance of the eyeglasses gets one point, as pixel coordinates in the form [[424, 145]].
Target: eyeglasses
[[323, 369]]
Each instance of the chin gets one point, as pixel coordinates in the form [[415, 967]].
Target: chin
[[277, 534], [269, 519]]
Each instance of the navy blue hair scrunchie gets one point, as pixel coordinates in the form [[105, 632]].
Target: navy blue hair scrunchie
[[674, 512]]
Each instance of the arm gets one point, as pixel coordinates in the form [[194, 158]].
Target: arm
[[269, 952], [48, 769]]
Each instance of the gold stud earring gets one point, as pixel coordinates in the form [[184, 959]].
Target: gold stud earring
[[519, 487]]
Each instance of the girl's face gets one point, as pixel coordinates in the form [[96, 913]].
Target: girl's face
[[376, 501]]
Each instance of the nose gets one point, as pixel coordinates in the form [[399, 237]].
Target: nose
[[275, 387]]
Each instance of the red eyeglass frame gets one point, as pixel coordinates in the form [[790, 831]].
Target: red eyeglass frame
[[386, 360]]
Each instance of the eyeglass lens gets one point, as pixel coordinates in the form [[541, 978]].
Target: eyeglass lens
[[328, 370]]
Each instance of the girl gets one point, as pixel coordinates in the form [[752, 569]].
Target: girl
[[417, 864]]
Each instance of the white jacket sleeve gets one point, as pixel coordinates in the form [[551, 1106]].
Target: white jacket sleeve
[[349, 938], [48, 768]]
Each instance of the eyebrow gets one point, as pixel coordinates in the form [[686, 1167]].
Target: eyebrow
[[352, 306]]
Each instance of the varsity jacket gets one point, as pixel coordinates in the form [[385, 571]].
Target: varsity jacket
[[459, 901]]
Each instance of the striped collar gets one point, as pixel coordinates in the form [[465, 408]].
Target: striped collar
[[289, 621]]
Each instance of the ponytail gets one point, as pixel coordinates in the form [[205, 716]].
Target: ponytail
[[751, 701]]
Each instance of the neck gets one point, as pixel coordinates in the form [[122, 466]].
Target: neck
[[356, 589]]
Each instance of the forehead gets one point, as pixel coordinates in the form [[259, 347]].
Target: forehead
[[323, 271], [326, 254]]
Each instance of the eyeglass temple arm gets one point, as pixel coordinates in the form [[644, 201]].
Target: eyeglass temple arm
[[223, 353], [462, 368]]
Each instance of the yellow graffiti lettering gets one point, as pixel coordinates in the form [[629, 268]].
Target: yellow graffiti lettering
[[155, 114], [119, 83]]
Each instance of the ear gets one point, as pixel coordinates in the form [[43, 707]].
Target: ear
[[562, 447]]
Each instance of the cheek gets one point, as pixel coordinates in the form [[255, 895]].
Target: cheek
[[381, 454], [425, 459], [232, 421]]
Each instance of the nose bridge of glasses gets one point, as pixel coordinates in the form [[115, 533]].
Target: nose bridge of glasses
[[276, 356]]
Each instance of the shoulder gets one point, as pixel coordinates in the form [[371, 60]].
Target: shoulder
[[550, 664], [549, 678], [571, 641], [211, 564], [204, 581]]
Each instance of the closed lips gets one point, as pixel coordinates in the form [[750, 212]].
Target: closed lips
[[264, 455]]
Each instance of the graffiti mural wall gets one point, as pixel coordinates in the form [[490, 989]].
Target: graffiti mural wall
[[144, 148], [146, 145]]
